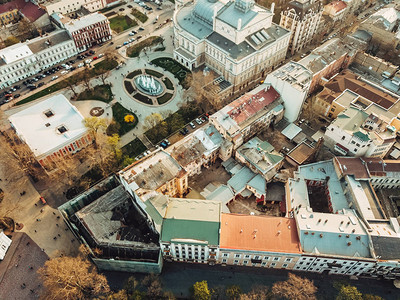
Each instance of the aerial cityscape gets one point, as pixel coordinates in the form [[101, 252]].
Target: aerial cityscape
[[200, 149]]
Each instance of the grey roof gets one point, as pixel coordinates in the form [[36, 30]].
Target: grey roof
[[303, 9], [204, 11], [223, 193], [259, 184], [236, 51], [231, 15], [189, 23], [362, 35], [386, 247], [53, 39], [266, 36], [240, 179], [291, 131]]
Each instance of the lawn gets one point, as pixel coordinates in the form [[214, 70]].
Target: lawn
[[121, 23], [134, 148], [98, 69], [128, 87], [134, 50], [173, 123], [101, 92], [138, 15], [168, 83], [119, 113], [143, 98], [171, 65], [134, 73]]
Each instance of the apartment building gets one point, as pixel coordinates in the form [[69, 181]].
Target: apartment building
[[52, 128], [246, 116], [292, 82], [69, 6], [258, 241], [22, 60], [86, 31], [158, 172], [336, 10], [302, 18], [236, 39]]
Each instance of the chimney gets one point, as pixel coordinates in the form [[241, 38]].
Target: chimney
[[272, 7], [239, 24]]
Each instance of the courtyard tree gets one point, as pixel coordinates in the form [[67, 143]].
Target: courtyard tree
[[95, 124], [201, 291], [295, 288], [70, 82], [86, 76], [233, 292], [258, 292], [72, 278], [103, 74], [348, 292], [152, 120], [11, 41], [24, 26]]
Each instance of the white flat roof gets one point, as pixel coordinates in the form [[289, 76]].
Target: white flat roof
[[30, 124], [5, 243], [85, 21], [15, 52]]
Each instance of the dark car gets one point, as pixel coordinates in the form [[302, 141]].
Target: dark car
[[40, 84], [17, 87], [92, 52], [4, 101], [71, 62], [141, 28], [73, 68], [17, 95], [134, 31]]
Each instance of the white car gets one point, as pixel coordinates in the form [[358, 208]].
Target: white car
[[88, 61], [131, 34], [198, 121], [54, 77], [81, 65], [64, 72]]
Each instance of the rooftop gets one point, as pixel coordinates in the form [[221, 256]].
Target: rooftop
[[239, 181], [152, 172], [15, 52], [49, 124], [301, 153], [56, 37], [295, 74], [193, 209], [259, 233], [85, 21], [305, 7], [337, 6]]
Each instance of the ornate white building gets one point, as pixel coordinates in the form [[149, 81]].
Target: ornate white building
[[302, 18], [236, 39]]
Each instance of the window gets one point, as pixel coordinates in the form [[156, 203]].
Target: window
[[273, 264], [247, 256], [284, 265], [225, 255], [237, 255], [266, 257], [49, 113], [245, 262], [235, 261], [61, 129], [224, 260], [276, 258]]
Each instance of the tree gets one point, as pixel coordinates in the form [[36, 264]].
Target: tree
[[258, 292], [201, 291], [24, 26], [72, 278], [11, 41], [70, 82], [152, 120], [295, 288], [204, 92], [371, 297], [95, 124], [86, 76], [103, 74], [348, 292], [233, 292]]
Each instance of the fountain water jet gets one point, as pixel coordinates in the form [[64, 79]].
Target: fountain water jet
[[149, 85]]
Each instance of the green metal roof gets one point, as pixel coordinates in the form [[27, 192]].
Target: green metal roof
[[361, 136], [189, 229], [153, 213]]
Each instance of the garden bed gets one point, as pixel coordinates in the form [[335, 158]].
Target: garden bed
[[119, 113], [154, 73], [121, 23], [171, 65], [143, 98], [168, 84], [101, 92], [164, 98], [138, 15], [134, 50], [128, 86], [134, 73]]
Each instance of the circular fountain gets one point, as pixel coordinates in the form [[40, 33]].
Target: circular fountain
[[149, 85]]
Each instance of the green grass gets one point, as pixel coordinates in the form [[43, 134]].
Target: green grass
[[119, 113], [134, 50], [168, 84], [154, 73], [173, 123], [171, 65], [101, 92], [164, 98], [138, 15], [98, 69], [121, 23], [134, 73], [134, 148]]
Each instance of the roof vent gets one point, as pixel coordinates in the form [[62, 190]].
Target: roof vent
[[347, 236], [358, 238], [353, 231], [349, 244], [326, 221], [47, 124], [319, 220], [321, 235]]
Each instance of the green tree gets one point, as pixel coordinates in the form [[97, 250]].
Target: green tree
[[201, 291], [371, 297], [233, 292], [348, 292], [295, 288], [11, 41]]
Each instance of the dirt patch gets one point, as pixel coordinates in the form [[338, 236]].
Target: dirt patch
[[215, 174]]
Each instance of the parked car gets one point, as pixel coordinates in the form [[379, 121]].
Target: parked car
[[126, 43], [64, 72], [88, 61], [134, 31], [54, 77], [198, 121], [94, 58], [192, 125], [17, 87], [139, 37], [40, 84], [92, 52], [100, 55], [141, 28], [119, 46], [203, 119], [131, 34], [17, 96], [72, 68]]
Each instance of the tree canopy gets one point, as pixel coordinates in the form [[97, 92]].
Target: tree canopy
[[295, 288]]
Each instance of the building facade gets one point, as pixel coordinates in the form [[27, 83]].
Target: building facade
[[302, 18], [69, 6], [52, 128], [88, 30], [336, 10], [23, 60], [243, 118], [236, 39], [292, 82]]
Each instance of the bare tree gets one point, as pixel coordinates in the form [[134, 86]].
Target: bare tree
[[152, 120], [103, 75], [70, 82], [72, 278], [295, 288], [24, 26], [86, 77]]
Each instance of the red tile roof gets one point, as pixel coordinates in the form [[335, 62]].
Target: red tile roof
[[28, 9], [249, 104], [362, 168], [259, 233], [338, 5]]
